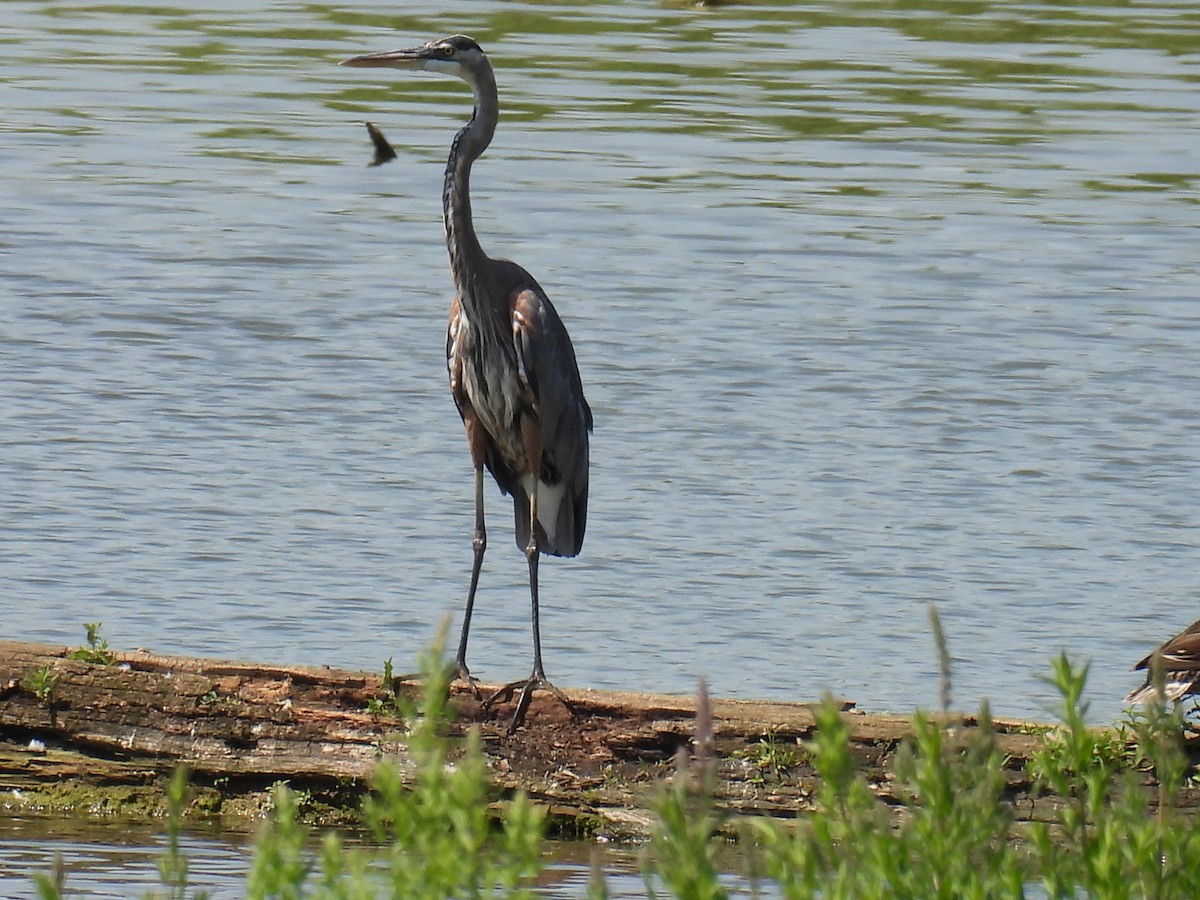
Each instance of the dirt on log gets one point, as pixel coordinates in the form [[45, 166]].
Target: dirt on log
[[82, 737]]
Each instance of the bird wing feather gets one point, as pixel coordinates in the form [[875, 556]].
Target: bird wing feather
[[547, 367], [1180, 659], [1180, 652]]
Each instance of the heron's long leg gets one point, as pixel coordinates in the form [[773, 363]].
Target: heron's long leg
[[479, 543], [531, 555], [538, 677]]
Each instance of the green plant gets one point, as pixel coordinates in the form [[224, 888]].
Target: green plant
[[388, 703], [52, 885], [436, 833], [43, 683], [1107, 840], [597, 886], [844, 849], [951, 842], [281, 866], [772, 753], [434, 827], [96, 651], [681, 853], [173, 864], [952, 782]]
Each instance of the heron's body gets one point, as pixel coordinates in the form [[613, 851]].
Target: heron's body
[[529, 436], [1179, 659], [512, 367]]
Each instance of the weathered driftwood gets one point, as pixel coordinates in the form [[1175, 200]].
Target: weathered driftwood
[[104, 738]]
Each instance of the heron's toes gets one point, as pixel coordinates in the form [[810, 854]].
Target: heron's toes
[[462, 673], [528, 686], [504, 694]]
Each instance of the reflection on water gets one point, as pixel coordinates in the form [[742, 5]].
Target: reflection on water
[[876, 305]]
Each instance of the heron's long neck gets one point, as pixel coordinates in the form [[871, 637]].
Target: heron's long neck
[[466, 256]]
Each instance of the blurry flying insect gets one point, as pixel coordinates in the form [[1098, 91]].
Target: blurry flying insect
[[512, 368], [383, 150]]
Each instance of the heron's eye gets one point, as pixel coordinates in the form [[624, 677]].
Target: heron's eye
[[447, 50]]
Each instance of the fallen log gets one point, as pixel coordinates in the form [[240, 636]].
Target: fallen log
[[83, 737]]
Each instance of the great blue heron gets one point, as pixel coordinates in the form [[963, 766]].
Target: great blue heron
[[1179, 659], [512, 367]]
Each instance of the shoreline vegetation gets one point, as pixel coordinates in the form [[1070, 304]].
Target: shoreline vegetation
[[823, 800]]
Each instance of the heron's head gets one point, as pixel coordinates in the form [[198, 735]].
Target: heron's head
[[455, 55]]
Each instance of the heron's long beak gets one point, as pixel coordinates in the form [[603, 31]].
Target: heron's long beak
[[413, 58]]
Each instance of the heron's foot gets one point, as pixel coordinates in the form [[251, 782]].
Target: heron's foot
[[533, 683], [462, 673]]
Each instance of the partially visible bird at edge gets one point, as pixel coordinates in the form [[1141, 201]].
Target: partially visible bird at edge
[[1179, 660], [512, 368]]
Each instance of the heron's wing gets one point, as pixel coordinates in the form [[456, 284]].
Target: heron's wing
[[546, 364], [455, 335], [477, 440]]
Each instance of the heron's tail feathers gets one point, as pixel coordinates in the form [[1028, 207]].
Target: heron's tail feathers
[[562, 517]]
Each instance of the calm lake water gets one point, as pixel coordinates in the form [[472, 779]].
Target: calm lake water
[[876, 305]]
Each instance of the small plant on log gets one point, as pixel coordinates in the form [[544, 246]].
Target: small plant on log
[[388, 701], [43, 683], [772, 754], [96, 651]]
